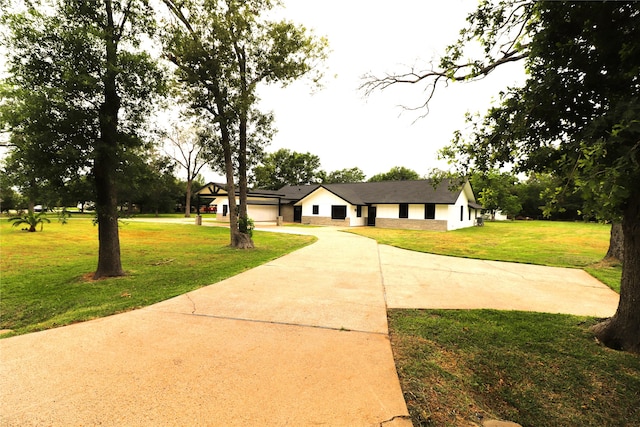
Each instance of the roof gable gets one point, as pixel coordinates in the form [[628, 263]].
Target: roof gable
[[214, 189]]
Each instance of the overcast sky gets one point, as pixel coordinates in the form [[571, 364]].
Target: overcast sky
[[344, 128]]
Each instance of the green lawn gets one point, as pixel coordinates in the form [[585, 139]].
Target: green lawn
[[46, 276], [553, 243]]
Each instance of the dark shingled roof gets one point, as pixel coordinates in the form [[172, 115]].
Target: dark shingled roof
[[392, 192], [293, 193], [363, 193]]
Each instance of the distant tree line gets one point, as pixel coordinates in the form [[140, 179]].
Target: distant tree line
[[148, 183]]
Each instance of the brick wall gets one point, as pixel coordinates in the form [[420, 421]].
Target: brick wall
[[287, 213], [325, 220], [412, 224]]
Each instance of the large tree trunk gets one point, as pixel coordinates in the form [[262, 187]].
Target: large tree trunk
[[622, 331], [231, 187], [105, 165], [616, 243], [243, 239], [187, 203]]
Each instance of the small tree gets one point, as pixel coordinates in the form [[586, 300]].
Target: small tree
[[496, 191], [187, 148], [30, 219]]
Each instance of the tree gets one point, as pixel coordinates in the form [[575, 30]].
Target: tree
[[222, 50], [146, 180], [9, 199], [344, 176], [188, 150], [530, 192], [79, 89], [496, 192], [396, 173], [577, 115], [286, 167]]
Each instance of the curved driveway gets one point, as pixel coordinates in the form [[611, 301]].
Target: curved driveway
[[301, 340]]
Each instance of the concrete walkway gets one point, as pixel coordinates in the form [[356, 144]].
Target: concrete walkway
[[300, 341]]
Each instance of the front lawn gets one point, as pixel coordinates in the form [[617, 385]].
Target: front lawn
[[46, 276]]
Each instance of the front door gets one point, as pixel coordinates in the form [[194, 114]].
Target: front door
[[297, 214], [371, 219]]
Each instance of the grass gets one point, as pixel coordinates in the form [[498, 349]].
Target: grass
[[552, 243], [46, 276], [458, 368]]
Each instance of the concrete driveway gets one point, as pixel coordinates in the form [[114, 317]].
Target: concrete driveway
[[418, 280], [299, 341]]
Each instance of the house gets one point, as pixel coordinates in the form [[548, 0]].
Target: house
[[393, 204]]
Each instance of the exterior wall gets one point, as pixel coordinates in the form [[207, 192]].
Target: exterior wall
[[358, 221], [454, 221], [324, 200], [387, 217], [416, 211], [387, 211], [287, 213], [442, 212]]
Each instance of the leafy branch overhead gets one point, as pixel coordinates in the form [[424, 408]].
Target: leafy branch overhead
[[495, 35]]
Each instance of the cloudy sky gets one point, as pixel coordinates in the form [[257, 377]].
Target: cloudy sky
[[345, 128]]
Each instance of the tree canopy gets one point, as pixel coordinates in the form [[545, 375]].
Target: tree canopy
[[286, 167], [340, 176], [496, 192], [396, 173]]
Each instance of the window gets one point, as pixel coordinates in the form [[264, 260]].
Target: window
[[404, 210], [469, 212], [359, 211], [338, 211], [461, 213], [316, 209], [430, 211]]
